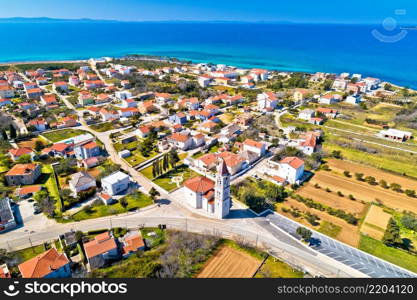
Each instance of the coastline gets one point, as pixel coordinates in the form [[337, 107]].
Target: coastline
[[14, 63]]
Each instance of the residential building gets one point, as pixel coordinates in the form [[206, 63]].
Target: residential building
[[306, 114], [81, 181], [16, 153], [49, 264], [115, 183], [88, 150], [255, 147], [22, 174], [131, 243], [101, 250]]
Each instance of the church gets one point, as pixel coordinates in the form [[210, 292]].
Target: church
[[212, 197]]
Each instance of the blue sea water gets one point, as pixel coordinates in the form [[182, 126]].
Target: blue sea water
[[295, 47]]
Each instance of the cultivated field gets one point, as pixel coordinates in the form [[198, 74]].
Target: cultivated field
[[332, 199], [348, 234], [230, 263], [344, 165], [362, 191], [375, 222]]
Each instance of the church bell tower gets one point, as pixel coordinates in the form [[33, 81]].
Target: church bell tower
[[222, 200]]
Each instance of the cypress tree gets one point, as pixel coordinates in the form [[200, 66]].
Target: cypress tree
[[4, 134], [13, 133]]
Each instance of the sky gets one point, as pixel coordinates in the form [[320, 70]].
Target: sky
[[302, 11]]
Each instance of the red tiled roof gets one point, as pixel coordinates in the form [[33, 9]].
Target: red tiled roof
[[293, 161], [20, 151], [101, 244], [199, 184], [43, 264], [21, 169], [253, 143]]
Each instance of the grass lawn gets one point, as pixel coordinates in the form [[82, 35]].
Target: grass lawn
[[28, 253], [393, 255], [102, 127], [135, 201], [275, 268], [51, 186], [165, 182], [137, 158], [59, 135], [329, 229]]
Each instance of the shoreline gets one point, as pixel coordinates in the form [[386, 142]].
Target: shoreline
[[14, 63]]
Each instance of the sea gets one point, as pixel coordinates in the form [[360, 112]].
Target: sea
[[389, 55]]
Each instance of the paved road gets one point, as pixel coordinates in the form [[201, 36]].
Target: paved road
[[357, 259]]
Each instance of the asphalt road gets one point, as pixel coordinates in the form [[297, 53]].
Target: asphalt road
[[355, 258]]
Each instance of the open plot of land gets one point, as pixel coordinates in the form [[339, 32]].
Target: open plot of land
[[375, 222], [331, 199], [30, 143], [59, 135], [348, 233], [230, 263], [344, 165], [363, 191]]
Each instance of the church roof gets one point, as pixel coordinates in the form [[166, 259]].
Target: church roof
[[199, 184]]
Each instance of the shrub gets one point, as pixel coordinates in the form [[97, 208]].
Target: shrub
[[410, 193], [359, 176], [328, 190], [351, 197], [383, 184], [347, 174], [340, 194], [317, 186], [304, 233]]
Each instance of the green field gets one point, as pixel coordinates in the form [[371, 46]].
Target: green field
[[135, 201], [400, 162], [59, 135], [52, 186], [102, 127], [329, 229], [137, 158], [393, 255], [28, 253]]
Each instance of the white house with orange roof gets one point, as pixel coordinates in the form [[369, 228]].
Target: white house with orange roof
[[254, 146], [15, 154], [289, 169], [267, 101]]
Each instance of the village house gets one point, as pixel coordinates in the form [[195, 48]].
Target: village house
[[131, 243], [306, 114], [146, 107], [6, 92], [49, 264], [353, 100], [204, 80], [330, 99], [85, 98], [340, 84], [16, 153], [74, 80], [102, 249], [178, 118], [48, 99], [300, 95], [143, 131], [81, 181], [115, 183], [255, 147], [28, 191], [109, 115], [328, 112], [189, 103], [102, 98], [126, 103], [34, 93], [267, 101], [23, 174], [4, 102], [128, 112], [289, 169], [66, 122], [308, 142], [88, 150], [59, 149], [122, 95], [4, 272], [60, 86]]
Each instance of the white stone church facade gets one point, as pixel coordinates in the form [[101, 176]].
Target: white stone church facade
[[212, 197]]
